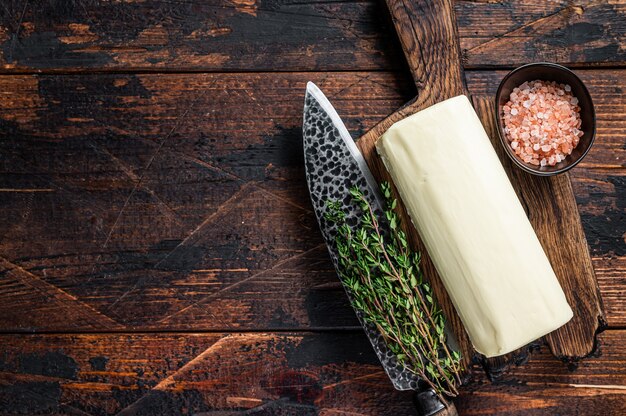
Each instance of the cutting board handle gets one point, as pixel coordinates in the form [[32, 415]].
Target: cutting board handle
[[428, 34]]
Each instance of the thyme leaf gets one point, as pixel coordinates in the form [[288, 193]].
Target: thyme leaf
[[387, 286]]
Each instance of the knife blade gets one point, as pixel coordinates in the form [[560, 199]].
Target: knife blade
[[333, 165]]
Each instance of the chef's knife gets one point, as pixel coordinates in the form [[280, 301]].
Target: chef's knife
[[333, 165]]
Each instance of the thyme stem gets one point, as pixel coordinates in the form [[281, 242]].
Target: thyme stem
[[385, 281]]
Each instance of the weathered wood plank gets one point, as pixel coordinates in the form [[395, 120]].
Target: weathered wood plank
[[546, 386], [163, 374], [163, 201], [89, 160], [269, 373], [514, 33], [249, 35]]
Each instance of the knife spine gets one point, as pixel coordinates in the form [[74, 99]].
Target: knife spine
[[314, 90]]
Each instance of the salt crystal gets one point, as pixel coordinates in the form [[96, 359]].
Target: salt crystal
[[542, 116]]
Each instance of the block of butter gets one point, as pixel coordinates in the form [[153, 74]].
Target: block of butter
[[474, 227]]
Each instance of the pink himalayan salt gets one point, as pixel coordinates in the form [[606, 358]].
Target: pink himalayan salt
[[542, 122]]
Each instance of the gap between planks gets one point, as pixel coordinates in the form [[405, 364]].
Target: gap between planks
[[293, 330], [234, 71]]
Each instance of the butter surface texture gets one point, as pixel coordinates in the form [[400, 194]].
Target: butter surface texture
[[474, 227]]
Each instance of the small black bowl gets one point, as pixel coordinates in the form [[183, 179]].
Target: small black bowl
[[546, 71]]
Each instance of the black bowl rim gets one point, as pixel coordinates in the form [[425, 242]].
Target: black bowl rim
[[503, 141]]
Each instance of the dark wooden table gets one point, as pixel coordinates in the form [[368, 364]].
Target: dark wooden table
[[158, 253]]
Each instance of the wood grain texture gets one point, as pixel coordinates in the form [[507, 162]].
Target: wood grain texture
[[194, 35], [73, 148], [169, 202], [293, 35], [575, 33], [428, 36], [137, 202], [547, 386], [175, 374], [275, 374]]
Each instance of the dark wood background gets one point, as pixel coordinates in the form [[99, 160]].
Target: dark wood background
[[158, 253]]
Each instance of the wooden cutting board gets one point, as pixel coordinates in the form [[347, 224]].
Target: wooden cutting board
[[427, 32]]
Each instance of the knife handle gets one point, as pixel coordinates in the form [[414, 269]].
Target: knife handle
[[428, 404]]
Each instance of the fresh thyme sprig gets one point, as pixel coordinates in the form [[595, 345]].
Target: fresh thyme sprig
[[384, 278]]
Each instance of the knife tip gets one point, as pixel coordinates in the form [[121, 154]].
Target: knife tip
[[311, 87]]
